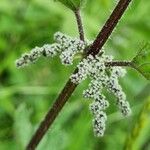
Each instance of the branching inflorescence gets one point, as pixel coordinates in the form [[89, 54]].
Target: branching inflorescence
[[96, 65], [101, 76], [66, 46]]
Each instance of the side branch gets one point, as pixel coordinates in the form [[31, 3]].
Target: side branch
[[109, 27], [79, 24], [119, 64]]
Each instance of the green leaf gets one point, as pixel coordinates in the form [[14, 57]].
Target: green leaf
[[141, 62], [72, 4]]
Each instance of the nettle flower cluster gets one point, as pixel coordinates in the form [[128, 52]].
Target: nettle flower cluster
[[64, 45], [93, 67], [101, 77]]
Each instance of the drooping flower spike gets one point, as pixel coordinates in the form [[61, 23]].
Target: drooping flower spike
[[66, 46], [101, 77]]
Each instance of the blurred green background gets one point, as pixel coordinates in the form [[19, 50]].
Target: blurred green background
[[27, 94]]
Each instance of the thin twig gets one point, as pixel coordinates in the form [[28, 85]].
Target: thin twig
[[119, 63], [70, 87], [80, 25]]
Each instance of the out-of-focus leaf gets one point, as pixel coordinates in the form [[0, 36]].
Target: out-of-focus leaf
[[6, 121], [140, 132], [72, 4], [80, 130], [141, 62], [57, 135], [22, 126]]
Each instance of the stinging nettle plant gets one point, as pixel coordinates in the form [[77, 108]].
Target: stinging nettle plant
[[102, 70]]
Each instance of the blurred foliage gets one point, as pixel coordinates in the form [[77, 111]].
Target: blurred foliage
[[139, 138], [141, 61], [27, 94]]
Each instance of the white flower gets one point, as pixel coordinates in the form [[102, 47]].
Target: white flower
[[83, 71], [124, 107], [100, 103], [70, 46], [99, 124], [113, 85], [51, 50], [66, 45], [93, 89], [97, 68], [100, 76], [67, 57], [28, 58], [60, 38]]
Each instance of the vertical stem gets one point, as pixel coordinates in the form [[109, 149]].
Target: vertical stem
[[109, 27], [80, 25]]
